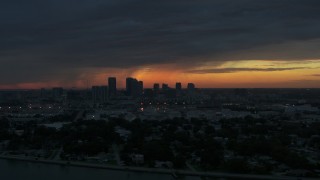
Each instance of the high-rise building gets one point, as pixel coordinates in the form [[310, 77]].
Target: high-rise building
[[191, 86], [178, 86], [134, 87], [99, 94], [165, 87], [112, 83], [140, 88], [156, 87], [129, 85]]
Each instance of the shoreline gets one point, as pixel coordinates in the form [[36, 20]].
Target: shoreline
[[174, 173], [86, 165]]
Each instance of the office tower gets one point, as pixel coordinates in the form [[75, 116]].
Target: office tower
[[165, 87], [99, 94], [112, 83], [178, 86], [140, 88], [129, 83], [156, 87], [134, 87], [191, 86]]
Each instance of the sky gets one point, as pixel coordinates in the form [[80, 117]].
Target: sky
[[212, 43]]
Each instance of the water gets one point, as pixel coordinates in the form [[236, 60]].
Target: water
[[21, 170]]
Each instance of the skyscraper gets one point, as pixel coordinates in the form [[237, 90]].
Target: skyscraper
[[191, 86], [156, 87], [134, 87], [129, 85], [112, 83], [140, 88], [165, 87]]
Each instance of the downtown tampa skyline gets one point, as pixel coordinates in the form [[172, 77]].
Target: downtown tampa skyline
[[214, 44]]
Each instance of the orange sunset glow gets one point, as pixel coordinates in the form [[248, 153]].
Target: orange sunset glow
[[245, 74]]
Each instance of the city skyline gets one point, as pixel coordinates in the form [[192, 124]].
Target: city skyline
[[169, 89], [214, 44]]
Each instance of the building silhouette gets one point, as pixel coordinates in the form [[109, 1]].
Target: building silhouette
[[134, 87], [156, 88], [112, 84], [130, 85], [191, 87], [140, 88], [165, 87]]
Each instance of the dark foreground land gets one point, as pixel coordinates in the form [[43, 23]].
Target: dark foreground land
[[270, 133]]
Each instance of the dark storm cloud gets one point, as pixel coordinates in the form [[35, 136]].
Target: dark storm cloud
[[42, 40], [232, 70]]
